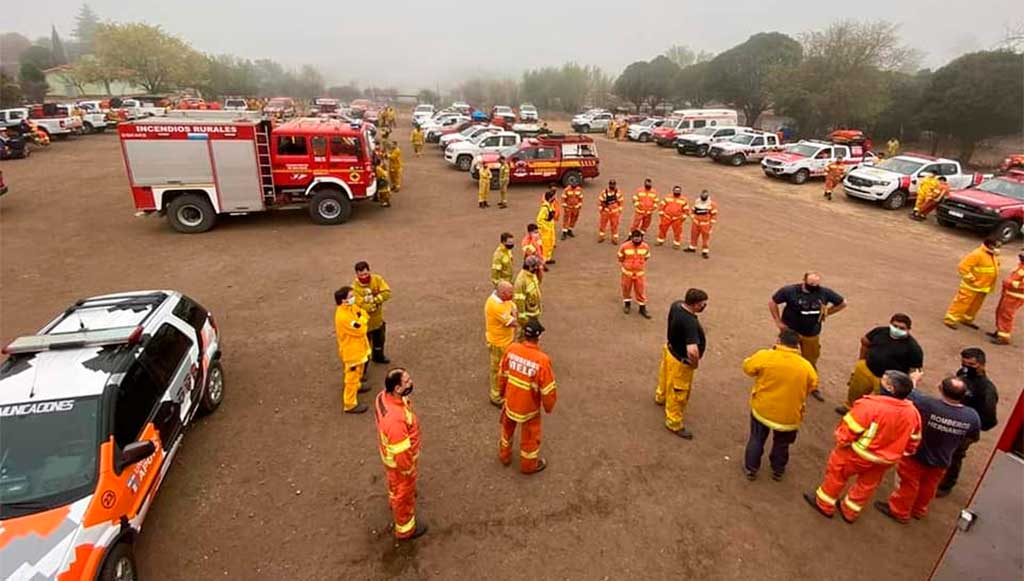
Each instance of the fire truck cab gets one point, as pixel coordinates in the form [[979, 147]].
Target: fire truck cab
[[193, 168]]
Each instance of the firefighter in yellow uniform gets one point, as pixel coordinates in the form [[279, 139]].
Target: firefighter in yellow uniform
[[484, 183], [383, 185], [526, 291], [350, 324], [504, 174], [501, 262], [547, 221], [610, 132], [926, 190], [417, 140], [979, 272], [395, 167], [892, 147]]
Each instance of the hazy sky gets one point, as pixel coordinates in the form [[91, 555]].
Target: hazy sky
[[419, 44]]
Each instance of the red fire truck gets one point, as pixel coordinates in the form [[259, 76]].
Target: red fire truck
[[192, 169]]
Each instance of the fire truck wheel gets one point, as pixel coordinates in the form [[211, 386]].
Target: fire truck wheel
[[572, 178], [330, 207], [191, 214]]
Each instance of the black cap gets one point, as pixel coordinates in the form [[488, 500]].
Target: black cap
[[533, 328]]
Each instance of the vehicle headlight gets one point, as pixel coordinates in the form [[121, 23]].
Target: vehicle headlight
[[989, 210]]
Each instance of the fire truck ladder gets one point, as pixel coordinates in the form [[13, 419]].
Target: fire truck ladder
[[263, 157]]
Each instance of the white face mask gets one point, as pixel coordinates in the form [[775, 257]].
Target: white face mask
[[897, 333], [350, 300]]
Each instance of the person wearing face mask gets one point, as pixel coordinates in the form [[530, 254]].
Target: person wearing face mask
[[680, 359], [1010, 301], [609, 204], [398, 431], [532, 244], [501, 262], [547, 223], [526, 291], [371, 293], [633, 256], [350, 324], [807, 306], [673, 211], [979, 272], [704, 216], [983, 397], [527, 383], [881, 349], [645, 202]]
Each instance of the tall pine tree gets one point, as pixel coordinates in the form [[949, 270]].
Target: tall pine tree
[[57, 52], [86, 24]]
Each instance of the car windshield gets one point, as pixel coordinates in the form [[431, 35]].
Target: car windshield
[[647, 122], [48, 454], [425, 109], [528, 109], [804, 149], [901, 166], [472, 131], [742, 139], [1003, 187]]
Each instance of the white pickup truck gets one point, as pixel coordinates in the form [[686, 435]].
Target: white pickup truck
[[700, 141], [809, 158], [135, 109], [644, 130], [461, 154], [94, 117], [893, 182], [753, 146], [591, 121], [56, 123]]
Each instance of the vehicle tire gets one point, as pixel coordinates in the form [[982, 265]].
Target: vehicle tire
[[101, 129], [583, 129], [800, 177], [737, 160], [1006, 231], [120, 564], [464, 162], [644, 138], [330, 206], [946, 223], [702, 151], [89, 128], [191, 214], [572, 178], [896, 200], [213, 395]]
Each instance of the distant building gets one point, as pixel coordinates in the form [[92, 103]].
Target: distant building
[[60, 86]]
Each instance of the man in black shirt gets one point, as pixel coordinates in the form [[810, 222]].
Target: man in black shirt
[[807, 306], [883, 348], [680, 358], [983, 398]]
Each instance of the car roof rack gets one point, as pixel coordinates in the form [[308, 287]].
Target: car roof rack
[[75, 340]]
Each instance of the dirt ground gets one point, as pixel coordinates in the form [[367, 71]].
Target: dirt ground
[[279, 484]]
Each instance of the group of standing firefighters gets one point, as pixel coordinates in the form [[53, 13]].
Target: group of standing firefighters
[[885, 423]]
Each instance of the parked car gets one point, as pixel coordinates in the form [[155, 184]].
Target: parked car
[[434, 128], [503, 116], [235, 104], [461, 154], [893, 182], [592, 122], [643, 131], [683, 121], [422, 112], [93, 120], [700, 141], [995, 207], [566, 159], [805, 159], [747, 146], [95, 406], [527, 112], [283, 107], [468, 133]]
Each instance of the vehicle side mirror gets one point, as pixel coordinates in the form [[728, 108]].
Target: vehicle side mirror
[[135, 452]]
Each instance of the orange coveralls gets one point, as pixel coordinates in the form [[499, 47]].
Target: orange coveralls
[[871, 438], [834, 176], [673, 212], [610, 206], [633, 258], [526, 382], [399, 435], [572, 202], [704, 216], [1010, 302], [979, 271], [532, 245], [645, 202]]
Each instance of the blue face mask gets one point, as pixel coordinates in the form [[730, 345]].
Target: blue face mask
[[897, 333]]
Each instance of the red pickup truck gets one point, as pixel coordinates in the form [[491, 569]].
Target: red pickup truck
[[555, 157], [994, 206]]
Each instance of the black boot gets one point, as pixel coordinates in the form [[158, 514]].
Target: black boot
[[625, 307], [643, 312]]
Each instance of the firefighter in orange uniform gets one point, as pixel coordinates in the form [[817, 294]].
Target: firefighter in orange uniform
[[351, 326], [609, 204], [532, 243], [399, 438], [979, 272], [871, 438], [1010, 302], [645, 202], [673, 211], [633, 256], [834, 173], [572, 203], [704, 216], [547, 222], [527, 382]]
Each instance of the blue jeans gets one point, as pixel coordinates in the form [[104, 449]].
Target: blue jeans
[[779, 455]]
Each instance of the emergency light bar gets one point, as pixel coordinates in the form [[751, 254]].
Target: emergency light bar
[[75, 340]]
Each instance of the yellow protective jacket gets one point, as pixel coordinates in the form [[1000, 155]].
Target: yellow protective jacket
[[503, 174], [395, 159], [501, 265], [371, 298], [526, 294], [350, 323], [782, 381], [484, 181], [979, 270], [417, 136], [546, 216], [928, 187]]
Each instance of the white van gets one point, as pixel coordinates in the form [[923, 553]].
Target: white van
[[683, 121]]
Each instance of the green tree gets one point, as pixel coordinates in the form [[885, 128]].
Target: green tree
[[230, 76], [681, 54], [428, 96], [740, 75], [12, 45], [691, 85], [86, 25], [900, 118], [34, 60], [633, 83], [158, 62], [309, 82], [347, 92], [10, 92], [59, 55], [662, 82], [977, 96]]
